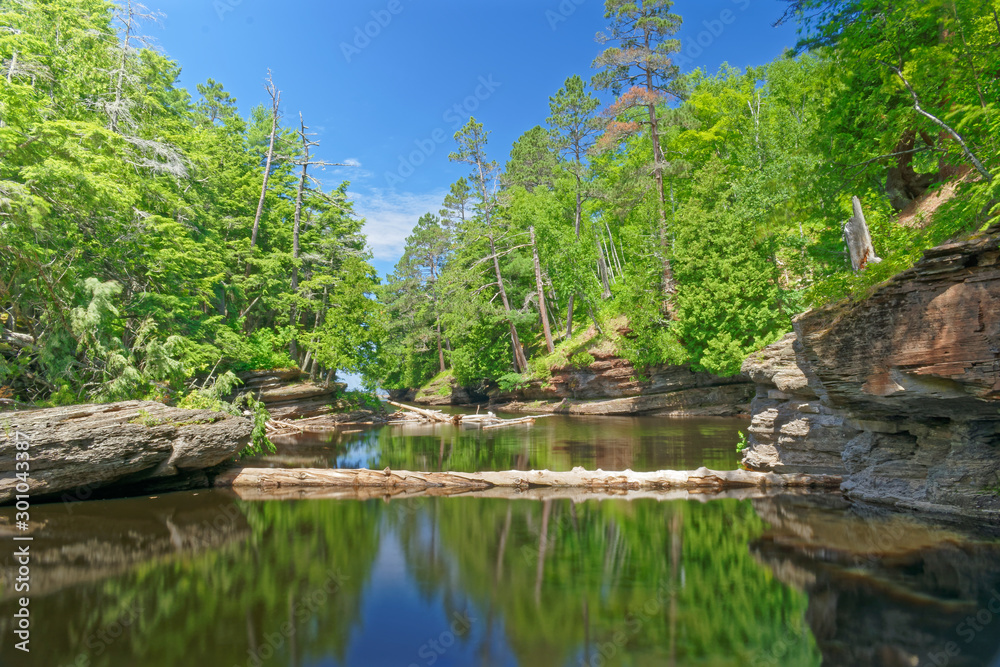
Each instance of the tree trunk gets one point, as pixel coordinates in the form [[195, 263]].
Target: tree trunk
[[569, 316], [120, 79], [275, 101], [859, 240], [668, 273], [520, 362], [944, 126], [541, 294], [293, 316], [602, 268], [13, 66], [440, 349]]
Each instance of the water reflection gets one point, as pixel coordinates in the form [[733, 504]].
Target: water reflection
[[208, 578], [445, 581], [556, 443], [886, 589]]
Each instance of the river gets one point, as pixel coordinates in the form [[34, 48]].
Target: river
[[207, 578]]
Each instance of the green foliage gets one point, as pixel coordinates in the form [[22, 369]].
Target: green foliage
[[359, 400], [728, 303], [582, 359], [742, 443], [215, 397], [128, 206], [127, 210], [511, 382]]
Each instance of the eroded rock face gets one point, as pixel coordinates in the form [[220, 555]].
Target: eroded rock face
[[286, 396], [96, 446], [913, 374], [609, 386], [792, 429], [927, 343], [612, 386]]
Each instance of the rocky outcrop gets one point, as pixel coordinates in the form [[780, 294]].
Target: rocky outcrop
[[792, 428], [286, 396], [914, 369], [76, 450], [612, 386], [730, 400]]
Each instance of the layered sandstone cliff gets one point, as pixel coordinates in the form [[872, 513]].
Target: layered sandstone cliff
[[904, 384], [611, 385]]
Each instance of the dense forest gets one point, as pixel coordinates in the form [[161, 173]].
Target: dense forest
[[691, 219], [149, 236]]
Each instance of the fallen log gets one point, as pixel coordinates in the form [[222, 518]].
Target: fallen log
[[576, 495], [702, 478], [512, 422], [433, 415], [489, 420]]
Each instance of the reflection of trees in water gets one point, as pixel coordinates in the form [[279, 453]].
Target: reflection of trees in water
[[556, 443], [212, 606], [557, 582], [885, 588], [664, 582]]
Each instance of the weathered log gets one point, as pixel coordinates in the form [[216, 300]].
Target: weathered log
[[93, 446], [17, 341], [429, 414], [512, 422], [703, 478], [859, 239], [576, 495]]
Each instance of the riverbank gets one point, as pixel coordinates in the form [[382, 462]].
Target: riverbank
[[604, 383], [899, 391]]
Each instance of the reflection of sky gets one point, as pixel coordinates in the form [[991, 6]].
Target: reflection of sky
[[398, 625], [361, 452]]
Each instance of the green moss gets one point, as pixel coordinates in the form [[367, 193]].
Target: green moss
[[151, 421], [574, 352], [439, 385]]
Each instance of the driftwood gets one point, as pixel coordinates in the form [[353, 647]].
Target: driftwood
[[432, 415], [512, 422], [486, 421], [578, 478], [17, 341], [254, 493], [319, 424], [859, 239]]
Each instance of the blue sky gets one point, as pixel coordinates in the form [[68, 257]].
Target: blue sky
[[385, 83]]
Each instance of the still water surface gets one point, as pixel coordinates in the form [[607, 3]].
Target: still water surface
[[555, 443], [205, 578]]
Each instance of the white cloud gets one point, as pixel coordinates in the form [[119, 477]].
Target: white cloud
[[390, 217], [352, 162]]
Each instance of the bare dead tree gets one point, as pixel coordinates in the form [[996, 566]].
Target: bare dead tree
[[540, 287], [859, 239], [275, 96], [940, 123]]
